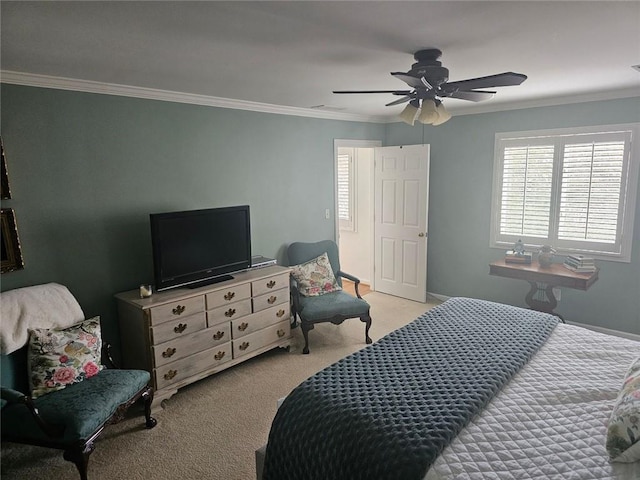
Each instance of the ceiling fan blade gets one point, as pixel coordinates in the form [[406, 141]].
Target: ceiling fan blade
[[506, 79], [410, 80], [399, 101], [474, 96], [395, 92]]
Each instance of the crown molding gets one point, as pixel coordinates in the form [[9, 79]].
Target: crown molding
[[547, 102], [89, 86]]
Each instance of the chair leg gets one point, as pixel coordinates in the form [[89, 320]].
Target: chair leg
[[305, 331], [147, 396], [367, 320], [79, 455]]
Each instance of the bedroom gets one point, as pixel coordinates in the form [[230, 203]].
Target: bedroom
[[86, 169]]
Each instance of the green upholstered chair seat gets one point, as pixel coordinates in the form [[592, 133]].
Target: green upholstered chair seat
[[331, 304], [82, 407]]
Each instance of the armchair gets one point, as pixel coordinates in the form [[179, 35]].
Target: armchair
[[72, 417], [335, 306]]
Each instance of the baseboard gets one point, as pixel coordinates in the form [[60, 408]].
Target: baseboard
[[439, 297]]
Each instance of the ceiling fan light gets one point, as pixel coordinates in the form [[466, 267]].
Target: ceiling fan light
[[408, 115], [429, 114], [443, 115]]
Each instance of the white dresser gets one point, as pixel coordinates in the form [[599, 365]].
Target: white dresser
[[183, 335]]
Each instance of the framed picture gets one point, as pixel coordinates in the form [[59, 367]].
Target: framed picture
[[11, 254], [5, 193]]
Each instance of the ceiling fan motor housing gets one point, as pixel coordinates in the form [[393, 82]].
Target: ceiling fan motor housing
[[428, 66]]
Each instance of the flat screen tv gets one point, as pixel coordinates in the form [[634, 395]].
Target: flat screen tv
[[198, 247]]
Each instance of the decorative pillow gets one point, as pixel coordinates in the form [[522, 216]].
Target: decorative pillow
[[315, 277], [61, 357], [623, 433]]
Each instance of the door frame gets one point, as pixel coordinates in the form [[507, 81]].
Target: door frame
[[351, 143]]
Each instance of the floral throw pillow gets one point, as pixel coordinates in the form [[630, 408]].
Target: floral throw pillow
[[61, 357], [315, 277], [623, 432]]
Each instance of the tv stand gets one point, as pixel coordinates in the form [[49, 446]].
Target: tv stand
[[210, 281], [183, 335]]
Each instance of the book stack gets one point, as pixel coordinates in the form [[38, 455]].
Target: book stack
[[580, 264], [515, 257]]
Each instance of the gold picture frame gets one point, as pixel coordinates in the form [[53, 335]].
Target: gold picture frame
[[11, 253], [5, 193]]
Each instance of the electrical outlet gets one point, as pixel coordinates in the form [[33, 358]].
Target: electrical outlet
[[327, 214], [557, 293]]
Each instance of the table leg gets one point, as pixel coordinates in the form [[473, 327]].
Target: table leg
[[546, 306]]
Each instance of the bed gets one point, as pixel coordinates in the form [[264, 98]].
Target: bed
[[469, 390]]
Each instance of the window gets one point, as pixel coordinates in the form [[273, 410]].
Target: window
[[346, 187], [574, 189]]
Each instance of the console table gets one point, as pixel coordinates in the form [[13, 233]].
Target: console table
[[183, 335], [543, 279]]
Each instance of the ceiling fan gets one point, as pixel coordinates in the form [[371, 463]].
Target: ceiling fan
[[429, 82]]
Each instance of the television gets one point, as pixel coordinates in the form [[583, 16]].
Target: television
[[198, 247]]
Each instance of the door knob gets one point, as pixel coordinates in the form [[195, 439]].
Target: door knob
[[421, 234]]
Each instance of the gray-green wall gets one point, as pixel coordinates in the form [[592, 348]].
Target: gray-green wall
[[460, 209], [87, 169]]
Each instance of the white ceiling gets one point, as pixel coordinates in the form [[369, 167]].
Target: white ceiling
[[294, 53]]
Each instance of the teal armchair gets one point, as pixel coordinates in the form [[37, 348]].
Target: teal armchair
[[334, 307], [71, 416]]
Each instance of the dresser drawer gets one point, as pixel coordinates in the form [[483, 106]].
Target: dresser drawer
[[261, 338], [229, 312], [257, 321], [178, 328], [270, 299], [182, 369], [270, 284], [175, 310], [228, 295], [196, 342]]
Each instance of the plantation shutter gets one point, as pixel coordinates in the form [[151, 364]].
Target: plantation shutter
[[590, 196], [527, 177], [574, 189], [345, 191]]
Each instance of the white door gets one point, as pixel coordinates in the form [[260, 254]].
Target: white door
[[401, 194]]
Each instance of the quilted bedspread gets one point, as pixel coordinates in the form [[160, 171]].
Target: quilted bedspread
[[387, 411], [549, 422]]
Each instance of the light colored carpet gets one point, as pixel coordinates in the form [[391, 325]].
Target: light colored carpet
[[211, 429]]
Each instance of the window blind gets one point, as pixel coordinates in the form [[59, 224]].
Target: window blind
[[572, 188], [527, 178], [590, 195], [343, 187]]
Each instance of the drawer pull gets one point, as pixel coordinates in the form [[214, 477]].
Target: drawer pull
[[170, 374], [179, 310], [281, 333], [219, 355], [271, 284], [244, 345], [230, 313], [218, 335], [181, 327], [243, 326], [272, 299], [169, 352], [229, 295], [280, 313]]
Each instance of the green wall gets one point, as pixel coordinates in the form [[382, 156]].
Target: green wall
[[86, 170], [460, 210]]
